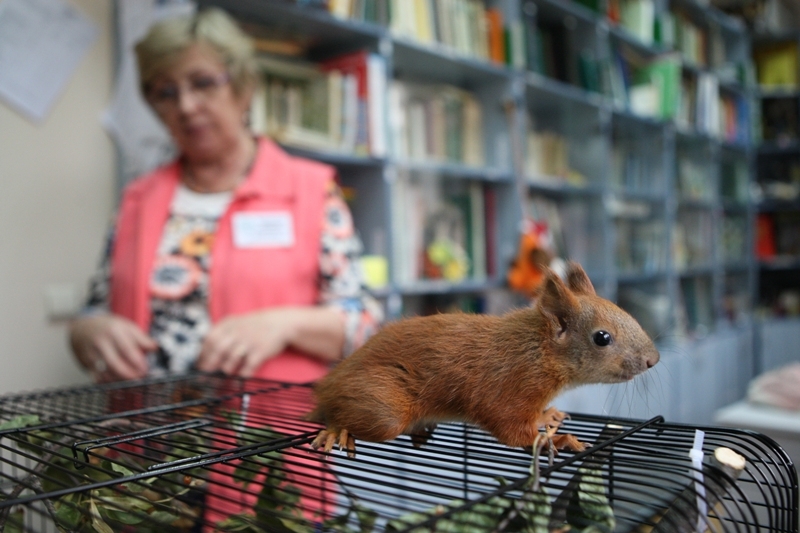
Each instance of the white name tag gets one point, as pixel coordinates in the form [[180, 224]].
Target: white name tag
[[263, 229]]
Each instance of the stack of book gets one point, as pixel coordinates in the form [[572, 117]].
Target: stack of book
[[442, 229], [337, 105], [466, 26], [435, 123]]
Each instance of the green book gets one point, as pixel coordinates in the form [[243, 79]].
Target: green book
[[665, 73]]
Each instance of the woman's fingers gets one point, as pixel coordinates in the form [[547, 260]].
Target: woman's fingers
[[232, 359], [110, 364], [120, 349], [132, 350], [214, 350]]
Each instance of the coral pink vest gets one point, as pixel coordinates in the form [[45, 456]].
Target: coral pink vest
[[241, 280]]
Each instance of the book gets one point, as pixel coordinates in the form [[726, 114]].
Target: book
[[457, 24], [638, 17], [369, 72], [444, 228], [495, 33], [376, 101], [691, 40], [298, 104], [589, 71], [437, 123], [546, 157], [616, 78], [490, 229], [708, 110], [559, 59], [656, 88], [777, 65], [779, 119]]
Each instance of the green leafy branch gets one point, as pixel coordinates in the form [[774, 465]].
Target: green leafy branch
[[151, 501]]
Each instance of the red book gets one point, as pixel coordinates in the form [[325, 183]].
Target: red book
[[354, 63], [765, 236], [496, 32], [490, 207]]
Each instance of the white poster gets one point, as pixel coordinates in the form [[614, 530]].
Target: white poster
[[142, 141], [41, 44]]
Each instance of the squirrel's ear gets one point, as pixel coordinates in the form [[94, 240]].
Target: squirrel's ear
[[557, 302], [577, 280]]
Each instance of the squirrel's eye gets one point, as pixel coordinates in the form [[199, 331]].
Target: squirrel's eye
[[602, 338]]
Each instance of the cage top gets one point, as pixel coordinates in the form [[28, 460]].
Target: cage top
[[179, 451]]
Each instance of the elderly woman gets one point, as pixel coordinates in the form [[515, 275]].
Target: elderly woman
[[235, 257]]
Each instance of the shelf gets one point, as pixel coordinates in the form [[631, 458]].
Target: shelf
[[625, 115], [775, 37], [779, 264], [291, 19], [633, 278], [631, 195], [723, 20], [696, 204], [733, 207], [447, 287], [769, 205], [737, 146], [436, 62], [771, 148], [738, 267], [336, 159], [693, 136], [562, 188], [624, 36], [778, 92], [696, 271], [560, 90], [556, 8], [456, 170]]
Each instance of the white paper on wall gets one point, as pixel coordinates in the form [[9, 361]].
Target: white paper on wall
[[41, 44], [142, 140]]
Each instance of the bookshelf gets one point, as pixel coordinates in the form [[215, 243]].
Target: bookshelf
[[634, 118], [777, 187]]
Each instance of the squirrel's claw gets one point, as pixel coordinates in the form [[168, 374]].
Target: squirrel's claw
[[327, 439], [567, 442], [551, 419]]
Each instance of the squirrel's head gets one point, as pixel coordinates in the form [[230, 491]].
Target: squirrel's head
[[598, 341]]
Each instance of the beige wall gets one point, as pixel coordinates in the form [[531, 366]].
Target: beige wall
[[57, 195]]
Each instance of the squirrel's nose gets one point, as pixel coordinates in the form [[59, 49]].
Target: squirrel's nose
[[652, 360]]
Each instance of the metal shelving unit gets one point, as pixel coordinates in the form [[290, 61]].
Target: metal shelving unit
[[596, 126]]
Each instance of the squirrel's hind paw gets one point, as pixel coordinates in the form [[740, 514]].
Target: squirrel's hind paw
[[566, 441], [327, 439]]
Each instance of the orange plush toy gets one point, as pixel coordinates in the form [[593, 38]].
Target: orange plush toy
[[526, 274]]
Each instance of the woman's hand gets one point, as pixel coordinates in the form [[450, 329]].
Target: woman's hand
[[239, 345], [111, 347]]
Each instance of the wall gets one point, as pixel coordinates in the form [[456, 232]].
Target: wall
[[58, 182]]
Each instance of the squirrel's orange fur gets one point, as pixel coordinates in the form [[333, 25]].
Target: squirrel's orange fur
[[497, 372]]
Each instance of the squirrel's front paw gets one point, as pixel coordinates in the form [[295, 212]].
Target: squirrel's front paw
[[326, 439], [551, 419]]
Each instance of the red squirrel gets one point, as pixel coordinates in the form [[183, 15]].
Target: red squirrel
[[497, 372]]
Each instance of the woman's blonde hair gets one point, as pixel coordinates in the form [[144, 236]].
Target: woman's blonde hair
[[212, 26]]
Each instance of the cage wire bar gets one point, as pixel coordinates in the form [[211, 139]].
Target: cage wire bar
[[206, 452]]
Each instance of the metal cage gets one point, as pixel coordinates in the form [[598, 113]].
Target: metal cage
[[206, 453]]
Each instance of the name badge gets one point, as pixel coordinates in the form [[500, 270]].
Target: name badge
[[263, 229]]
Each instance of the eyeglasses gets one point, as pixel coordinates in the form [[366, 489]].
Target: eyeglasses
[[164, 97]]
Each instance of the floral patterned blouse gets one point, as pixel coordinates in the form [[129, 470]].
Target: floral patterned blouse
[[179, 282]]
